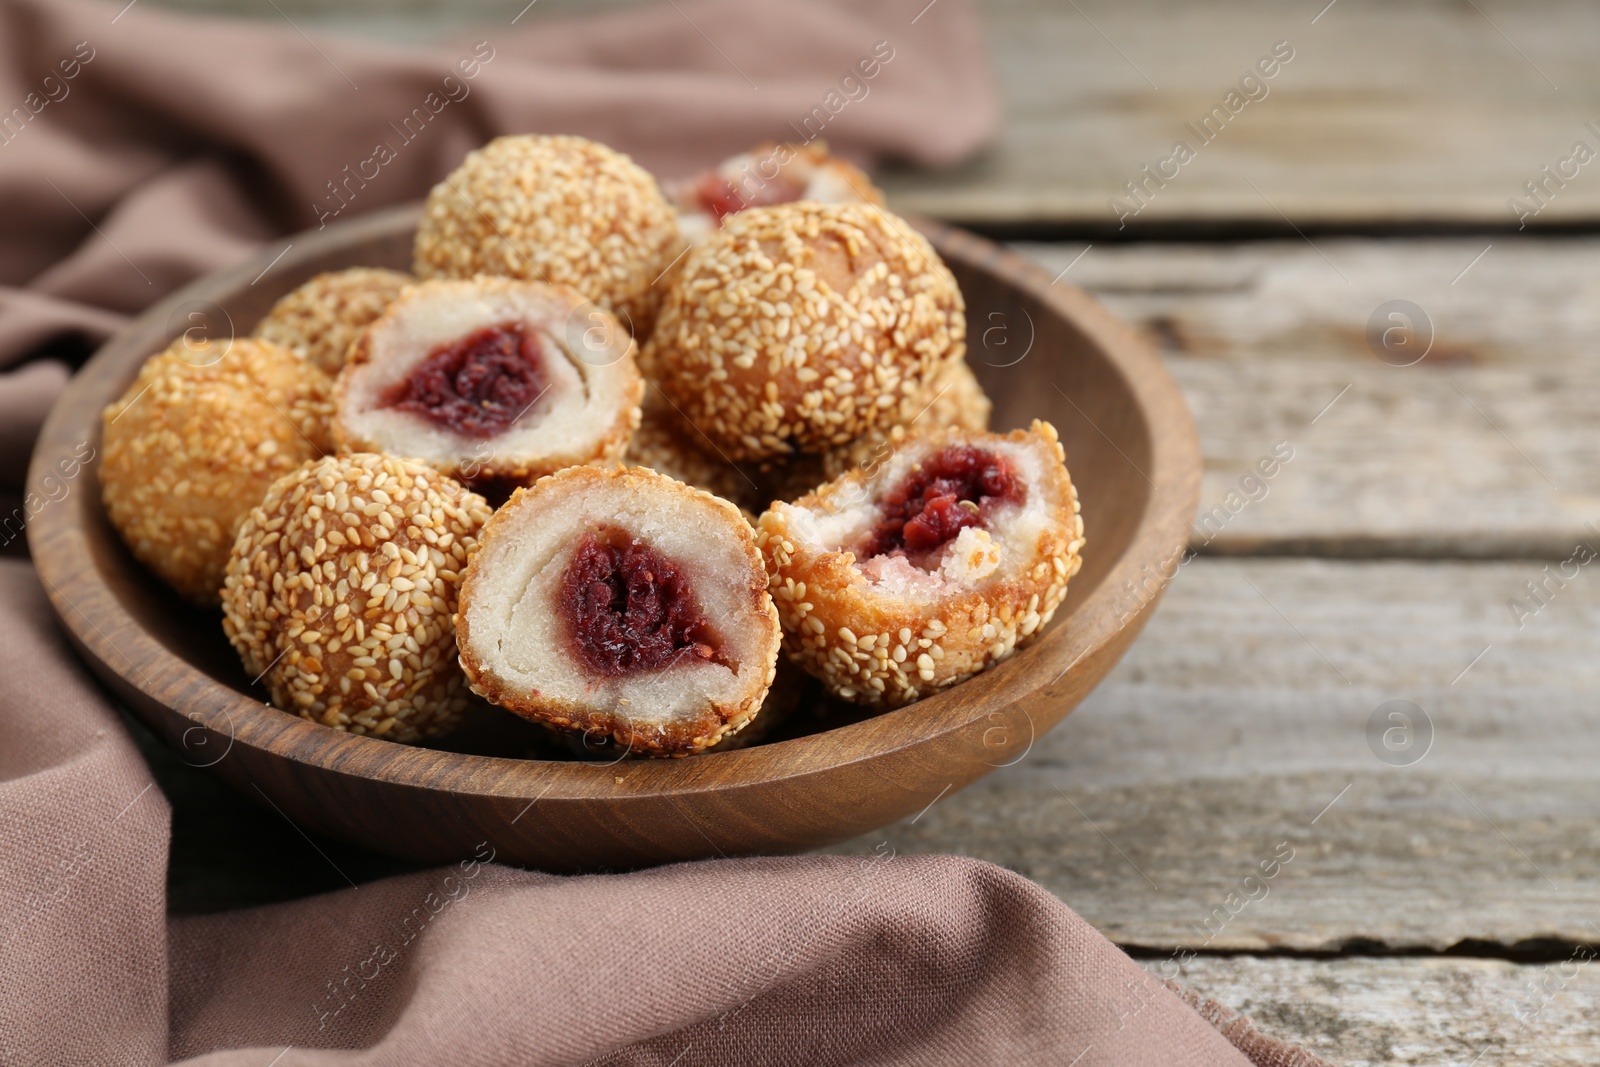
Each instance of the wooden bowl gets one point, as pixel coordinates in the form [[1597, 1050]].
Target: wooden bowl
[[1041, 349]]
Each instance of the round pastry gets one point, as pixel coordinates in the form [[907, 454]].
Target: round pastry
[[621, 603], [801, 327], [341, 592], [556, 209], [490, 378], [768, 174], [667, 444], [896, 583], [320, 319], [194, 443]]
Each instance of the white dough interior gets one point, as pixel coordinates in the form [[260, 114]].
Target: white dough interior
[[576, 411], [1013, 529], [516, 627]]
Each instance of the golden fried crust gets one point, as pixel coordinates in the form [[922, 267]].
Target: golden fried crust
[[341, 589], [193, 445], [872, 648], [555, 209], [491, 466], [677, 737], [781, 702], [803, 326], [320, 319]]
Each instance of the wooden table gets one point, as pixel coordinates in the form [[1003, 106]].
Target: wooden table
[[1432, 902]]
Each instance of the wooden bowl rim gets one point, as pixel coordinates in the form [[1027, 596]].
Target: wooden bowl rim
[[60, 554]]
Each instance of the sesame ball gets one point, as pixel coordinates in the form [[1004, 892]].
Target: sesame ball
[[556, 209], [895, 582], [802, 327], [620, 602], [193, 445], [341, 594], [318, 320]]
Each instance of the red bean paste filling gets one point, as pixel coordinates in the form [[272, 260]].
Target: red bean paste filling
[[630, 609], [720, 197], [957, 487], [477, 386]]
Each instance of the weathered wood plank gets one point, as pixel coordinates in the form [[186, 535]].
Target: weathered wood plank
[[1363, 1011], [1386, 114], [1235, 733], [1483, 448], [1366, 124]]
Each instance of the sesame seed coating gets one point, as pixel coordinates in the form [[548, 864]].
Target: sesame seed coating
[[318, 320], [953, 399], [341, 593], [871, 646], [193, 445], [556, 209], [667, 444], [800, 327]]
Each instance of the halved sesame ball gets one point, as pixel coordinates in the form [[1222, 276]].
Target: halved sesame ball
[[319, 320], [490, 378], [556, 209], [620, 603], [899, 582], [768, 174], [194, 443], [800, 327], [341, 594]]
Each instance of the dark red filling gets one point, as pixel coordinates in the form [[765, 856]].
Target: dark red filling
[[952, 489], [629, 608], [477, 386], [720, 197]]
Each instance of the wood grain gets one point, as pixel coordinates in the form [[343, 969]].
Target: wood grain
[[1139, 480], [1389, 114], [1484, 448], [1242, 715], [1363, 1012]]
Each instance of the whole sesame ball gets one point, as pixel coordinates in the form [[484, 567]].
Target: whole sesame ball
[[341, 594], [801, 327], [556, 209], [193, 445], [319, 319]]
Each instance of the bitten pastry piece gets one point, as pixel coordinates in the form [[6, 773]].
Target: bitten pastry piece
[[194, 443], [768, 174], [557, 209], [801, 327], [620, 602], [341, 591], [956, 551], [319, 320], [490, 378]]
